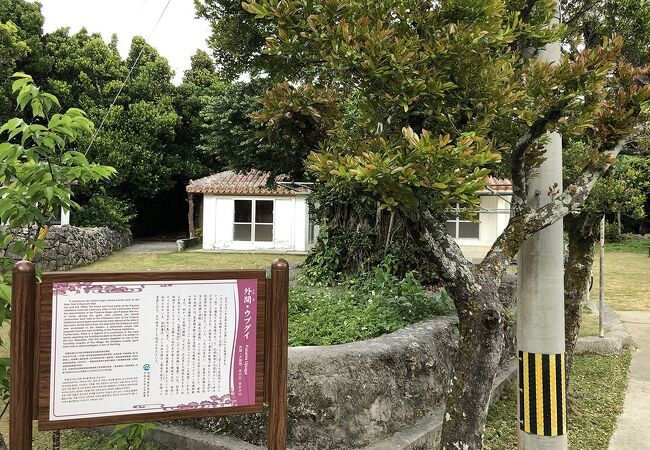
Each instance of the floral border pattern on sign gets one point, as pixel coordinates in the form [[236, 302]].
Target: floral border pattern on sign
[[79, 288]]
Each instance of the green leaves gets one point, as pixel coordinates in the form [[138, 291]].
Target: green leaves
[[255, 8], [38, 166], [130, 436], [420, 171], [22, 80]]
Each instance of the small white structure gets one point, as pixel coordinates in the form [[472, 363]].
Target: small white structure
[[476, 238], [241, 212]]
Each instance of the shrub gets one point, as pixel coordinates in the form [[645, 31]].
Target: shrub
[[105, 211], [364, 306], [612, 232], [338, 252]]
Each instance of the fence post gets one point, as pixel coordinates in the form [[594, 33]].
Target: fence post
[[277, 428], [21, 383], [601, 281]]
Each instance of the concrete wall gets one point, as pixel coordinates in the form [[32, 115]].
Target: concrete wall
[[67, 247], [290, 222], [353, 395]]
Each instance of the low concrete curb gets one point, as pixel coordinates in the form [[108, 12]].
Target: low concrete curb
[[616, 341], [423, 435]]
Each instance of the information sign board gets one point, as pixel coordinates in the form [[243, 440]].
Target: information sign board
[[170, 345], [91, 349], [137, 347]]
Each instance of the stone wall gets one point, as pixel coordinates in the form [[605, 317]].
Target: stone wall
[[635, 237], [353, 395], [67, 247]]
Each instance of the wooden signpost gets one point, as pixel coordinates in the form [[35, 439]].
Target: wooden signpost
[[91, 349]]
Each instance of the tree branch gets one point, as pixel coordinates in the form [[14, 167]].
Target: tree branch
[[536, 130], [450, 263], [574, 195], [526, 221], [505, 248], [631, 149]]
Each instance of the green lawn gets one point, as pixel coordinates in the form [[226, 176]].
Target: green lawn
[[187, 261], [598, 386], [598, 382], [590, 324], [629, 246], [627, 280]]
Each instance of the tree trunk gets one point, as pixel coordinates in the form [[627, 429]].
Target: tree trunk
[[482, 339], [190, 214], [582, 235], [481, 325]]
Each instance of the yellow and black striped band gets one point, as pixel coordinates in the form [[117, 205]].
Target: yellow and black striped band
[[542, 396]]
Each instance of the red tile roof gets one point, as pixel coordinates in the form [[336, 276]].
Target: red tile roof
[[497, 184], [251, 183]]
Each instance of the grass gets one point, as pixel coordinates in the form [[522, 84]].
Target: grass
[[626, 280], [75, 440], [598, 386], [326, 316], [589, 324], [629, 246], [186, 261]]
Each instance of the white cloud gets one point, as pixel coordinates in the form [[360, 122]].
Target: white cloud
[[177, 36]]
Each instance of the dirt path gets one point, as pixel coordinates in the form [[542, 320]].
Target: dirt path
[[152, 247]]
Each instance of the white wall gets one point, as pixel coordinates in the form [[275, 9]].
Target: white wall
[[290, 221], [492, 225]]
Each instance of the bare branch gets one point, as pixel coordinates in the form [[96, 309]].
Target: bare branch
[[526, 221], [505, 248], [451, 264], [631, 149], [574, 195]]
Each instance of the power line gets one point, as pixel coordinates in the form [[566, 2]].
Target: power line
[[128, 75]]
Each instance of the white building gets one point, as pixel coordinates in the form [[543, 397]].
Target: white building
[[476, 238], [240, 212]]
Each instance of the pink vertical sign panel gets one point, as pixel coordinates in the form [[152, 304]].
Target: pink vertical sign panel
[[243, 365]]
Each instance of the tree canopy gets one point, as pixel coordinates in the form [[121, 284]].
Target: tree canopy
[[152, 132], [423, 102]]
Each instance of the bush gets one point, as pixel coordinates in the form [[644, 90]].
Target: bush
[[338, 252], [364, 306], [612, 232], [105, 211]]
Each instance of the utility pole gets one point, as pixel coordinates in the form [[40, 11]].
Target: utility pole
[[540, 309]]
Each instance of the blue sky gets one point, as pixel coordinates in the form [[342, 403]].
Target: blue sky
[[177, 36]]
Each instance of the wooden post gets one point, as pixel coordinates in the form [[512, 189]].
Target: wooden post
[[277, 428], [190, 214], [199, 212], [601, 281], [21, 384]]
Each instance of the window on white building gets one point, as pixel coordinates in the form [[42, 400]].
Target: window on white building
[[253, 220], [463, 229]]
